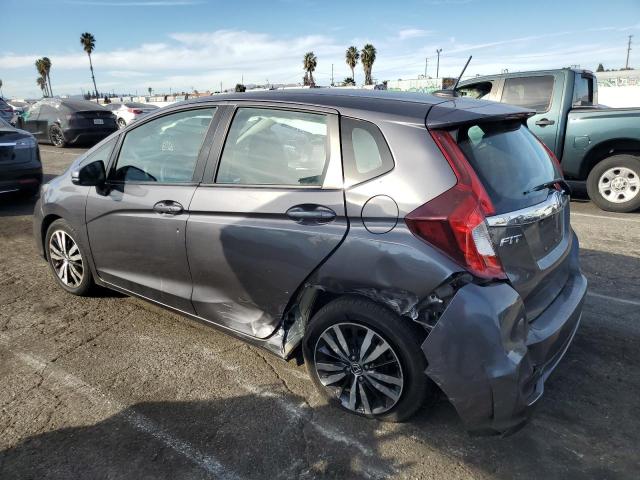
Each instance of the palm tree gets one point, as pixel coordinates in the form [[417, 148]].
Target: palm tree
[[368, 56], [40, 67], [0, 88], [88, 42], [47, 69], [352, 56], [310, 62], [42, 84]]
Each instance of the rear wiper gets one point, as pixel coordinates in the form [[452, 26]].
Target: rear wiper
[[560, 181]]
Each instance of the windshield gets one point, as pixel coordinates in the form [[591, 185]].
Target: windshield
[[509, 160]]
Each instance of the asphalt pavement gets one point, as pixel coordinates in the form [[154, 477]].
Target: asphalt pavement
[[112, 387]]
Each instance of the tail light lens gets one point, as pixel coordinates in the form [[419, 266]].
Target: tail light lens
[[135, 111], [454, 221]]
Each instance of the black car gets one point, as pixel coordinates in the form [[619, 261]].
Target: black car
[[63, 122], [20, 166]]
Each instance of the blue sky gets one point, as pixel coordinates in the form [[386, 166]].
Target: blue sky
[[181, 44]]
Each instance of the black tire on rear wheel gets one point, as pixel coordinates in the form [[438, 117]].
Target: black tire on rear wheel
[[56, 254], [628, 169], [356, 317], [56, 136]]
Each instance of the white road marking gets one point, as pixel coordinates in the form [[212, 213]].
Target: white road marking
[[614, 299], [604, 217], [136, 420]]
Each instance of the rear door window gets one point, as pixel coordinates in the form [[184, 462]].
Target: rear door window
[[365, 152], [275, 147], [529, 92], [510, 161]]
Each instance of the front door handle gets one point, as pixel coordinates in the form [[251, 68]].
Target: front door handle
[[311, 214], [543, 122], [168, 207]]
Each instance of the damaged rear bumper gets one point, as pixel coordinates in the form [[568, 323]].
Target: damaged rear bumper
[[490, 361]]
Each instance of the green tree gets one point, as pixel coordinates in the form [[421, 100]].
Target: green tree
[[600, 68], [150, 90], [352, 56], [310, 62], [240, 87], [42, 84], [348, 81], [88, 42], [367, 57], [47, 70], [40, 67]]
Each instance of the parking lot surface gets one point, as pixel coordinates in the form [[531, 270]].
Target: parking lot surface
[[112, 387]]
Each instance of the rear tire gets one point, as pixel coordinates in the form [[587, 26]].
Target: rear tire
[[398, 371], [56, 136], [614, 184], [121, 123]]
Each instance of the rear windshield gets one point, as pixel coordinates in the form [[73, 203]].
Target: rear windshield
[[509, 160]]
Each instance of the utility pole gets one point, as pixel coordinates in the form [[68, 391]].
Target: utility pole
[[438, 64], [626, 66], [332, 74], [220, 87], [426, 62]]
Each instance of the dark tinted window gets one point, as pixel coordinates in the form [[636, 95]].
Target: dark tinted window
[[529, 92], [509, 160], [164, 150], [365, 151], [275, 147], [583, 91]]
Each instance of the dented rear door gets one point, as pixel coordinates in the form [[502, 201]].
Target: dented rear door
[[271, 212]]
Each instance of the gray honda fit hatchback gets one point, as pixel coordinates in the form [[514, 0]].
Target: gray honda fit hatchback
[[400, 243]]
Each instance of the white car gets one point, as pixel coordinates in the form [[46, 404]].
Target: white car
[[129, 111]]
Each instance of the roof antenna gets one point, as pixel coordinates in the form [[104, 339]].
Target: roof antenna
[[451, 92]]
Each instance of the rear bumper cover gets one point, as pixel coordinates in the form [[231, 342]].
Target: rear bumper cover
[[20, 178], [489, 361]]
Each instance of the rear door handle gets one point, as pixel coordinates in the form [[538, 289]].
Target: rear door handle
[[168, 207], [311, 214], [543, 122]]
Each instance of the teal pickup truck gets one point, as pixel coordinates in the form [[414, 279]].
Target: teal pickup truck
[[594, 143]]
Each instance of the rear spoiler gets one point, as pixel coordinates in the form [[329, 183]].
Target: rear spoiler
[[463, 111]]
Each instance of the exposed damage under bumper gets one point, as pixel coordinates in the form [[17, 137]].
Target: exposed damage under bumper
[[490, 361]]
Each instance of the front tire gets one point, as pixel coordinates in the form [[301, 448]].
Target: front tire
[[614, 184], [365, 359], [121, 123], [67, 259], [56, 136]]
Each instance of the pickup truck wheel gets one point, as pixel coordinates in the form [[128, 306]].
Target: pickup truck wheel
[[614, 183]]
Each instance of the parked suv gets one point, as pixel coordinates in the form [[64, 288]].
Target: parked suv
[[394, 240]]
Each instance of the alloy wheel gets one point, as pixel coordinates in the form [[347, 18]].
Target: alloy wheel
[[57, 137], [619, 184], [359, 368], [66, 258]]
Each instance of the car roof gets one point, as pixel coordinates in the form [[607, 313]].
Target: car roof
[[482, 78]]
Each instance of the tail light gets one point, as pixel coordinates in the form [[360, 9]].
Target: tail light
[[135, 111], [454, 221]]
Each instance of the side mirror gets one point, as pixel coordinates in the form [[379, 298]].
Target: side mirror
[[91, 175]]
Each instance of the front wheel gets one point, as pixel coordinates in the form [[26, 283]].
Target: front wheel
[[67, 259], [121, 123], [366, 360], [614, 184]]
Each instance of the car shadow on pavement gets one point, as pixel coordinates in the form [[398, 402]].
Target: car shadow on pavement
[[200, 439]]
